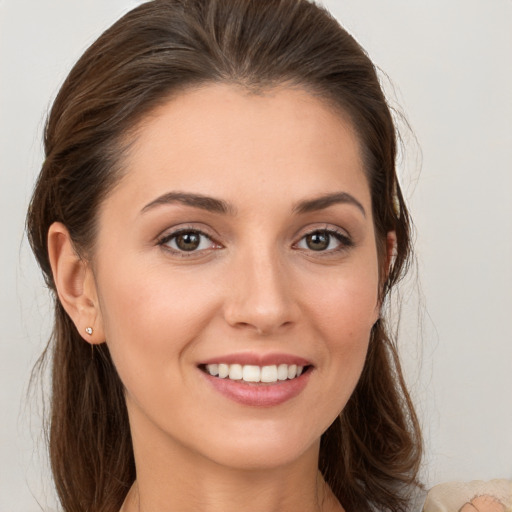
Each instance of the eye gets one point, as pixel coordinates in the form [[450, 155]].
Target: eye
[[188, 241], [324, 240]]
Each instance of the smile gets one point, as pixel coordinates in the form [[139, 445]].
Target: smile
[[252, 373]]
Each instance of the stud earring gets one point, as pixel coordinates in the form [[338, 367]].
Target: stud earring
[[88, 330]]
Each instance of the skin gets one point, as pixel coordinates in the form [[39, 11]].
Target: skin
[[253, 285], [483, 504]]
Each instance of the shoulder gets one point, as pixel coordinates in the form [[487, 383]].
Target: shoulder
[[475, 496]]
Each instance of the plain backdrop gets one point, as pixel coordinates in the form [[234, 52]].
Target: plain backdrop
[[449, 64]]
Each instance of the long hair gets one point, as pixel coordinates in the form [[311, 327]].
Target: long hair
[[371, 453]]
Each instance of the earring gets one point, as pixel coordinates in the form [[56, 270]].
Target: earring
[[88, 330]]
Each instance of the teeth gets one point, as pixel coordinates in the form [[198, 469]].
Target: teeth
[[235, 372], [282, 372], [213, 369], [223, 370], [251, 373], [269, 374]]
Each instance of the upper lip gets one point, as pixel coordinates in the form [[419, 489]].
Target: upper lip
[[251, 358]]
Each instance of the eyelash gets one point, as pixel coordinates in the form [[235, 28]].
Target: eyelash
[[345, 242], [182, 231]]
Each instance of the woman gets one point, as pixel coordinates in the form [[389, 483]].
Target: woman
[[219, 218]]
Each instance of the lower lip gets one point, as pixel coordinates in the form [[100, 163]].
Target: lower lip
[[259, 395]]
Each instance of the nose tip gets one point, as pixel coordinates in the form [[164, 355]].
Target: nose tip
[[261, 299], [263, 313], [263, 328]]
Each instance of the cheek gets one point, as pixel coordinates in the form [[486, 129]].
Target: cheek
[[346, 304], [339, 312], [150, 319], [346, 322], [343, 310]]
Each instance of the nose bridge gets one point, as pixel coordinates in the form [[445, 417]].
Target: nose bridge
[[261, 297]]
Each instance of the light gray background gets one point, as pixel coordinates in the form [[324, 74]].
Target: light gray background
[[450, 64]]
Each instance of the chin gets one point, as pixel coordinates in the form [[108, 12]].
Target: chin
[[265, 456], [262, 447]]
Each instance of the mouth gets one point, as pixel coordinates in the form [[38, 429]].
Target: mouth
[[256, 379], [253, 374]]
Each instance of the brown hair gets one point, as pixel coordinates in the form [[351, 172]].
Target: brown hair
[[371, 453]]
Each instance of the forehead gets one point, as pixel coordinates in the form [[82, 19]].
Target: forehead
[[223, 140]]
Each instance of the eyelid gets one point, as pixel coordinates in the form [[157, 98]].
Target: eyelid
[[343, 237], [171, 233]]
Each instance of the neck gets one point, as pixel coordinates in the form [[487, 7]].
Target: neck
[[241, 496], [177, 479]]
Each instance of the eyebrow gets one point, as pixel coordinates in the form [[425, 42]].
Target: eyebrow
[[214, 205], [195, 200], [324, 201]]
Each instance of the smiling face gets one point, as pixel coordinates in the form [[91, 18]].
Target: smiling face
[[239, 244]]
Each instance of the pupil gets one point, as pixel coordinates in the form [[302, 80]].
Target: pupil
[[318, 241], [188, 241]]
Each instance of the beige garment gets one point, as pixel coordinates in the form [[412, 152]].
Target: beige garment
[[452, 496]]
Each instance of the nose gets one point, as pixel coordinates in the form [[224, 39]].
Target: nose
[[261, 296]]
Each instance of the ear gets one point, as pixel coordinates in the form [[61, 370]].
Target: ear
[[75, 284], [391, 249], [390, 256]]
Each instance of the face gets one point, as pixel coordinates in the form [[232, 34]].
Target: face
[[239, 242]]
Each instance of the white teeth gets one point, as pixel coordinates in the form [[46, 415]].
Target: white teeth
[[269, 374], [282, 372], [213, 369], [252, 373], [223, 370], [235, 372], [292, 371]]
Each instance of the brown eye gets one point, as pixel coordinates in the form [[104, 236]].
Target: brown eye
[[318, 241], [325, 240], [188, 241]]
